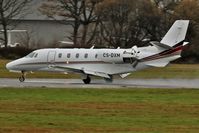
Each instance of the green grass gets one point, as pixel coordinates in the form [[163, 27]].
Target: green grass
[[172, 71], [99, 110]]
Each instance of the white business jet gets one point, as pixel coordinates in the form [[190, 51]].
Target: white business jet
[[105, 63]]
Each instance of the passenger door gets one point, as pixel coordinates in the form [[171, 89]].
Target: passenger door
[[51, 57]]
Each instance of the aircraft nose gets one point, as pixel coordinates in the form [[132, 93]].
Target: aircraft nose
[[14, 65], [10, 66]]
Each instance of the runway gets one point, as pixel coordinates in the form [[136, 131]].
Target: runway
[[96, 83]]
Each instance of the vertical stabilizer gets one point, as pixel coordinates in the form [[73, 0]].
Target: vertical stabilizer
[[176, 33]]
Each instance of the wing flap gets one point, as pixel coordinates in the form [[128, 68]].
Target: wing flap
[[100, 74], [157, 64], [85, 71], [67, 68]]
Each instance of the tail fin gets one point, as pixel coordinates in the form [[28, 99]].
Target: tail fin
[[176, 33]]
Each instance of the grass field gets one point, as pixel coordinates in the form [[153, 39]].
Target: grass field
[[172, 71], [43, 110]]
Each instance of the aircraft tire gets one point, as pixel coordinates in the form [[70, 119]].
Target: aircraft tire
[[22, 79], [87, 80], [108, 80]]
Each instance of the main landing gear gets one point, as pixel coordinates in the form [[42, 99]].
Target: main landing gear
[[87, 80], [109, 80], [22, 77]]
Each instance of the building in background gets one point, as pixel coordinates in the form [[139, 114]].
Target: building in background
[[41, 31]]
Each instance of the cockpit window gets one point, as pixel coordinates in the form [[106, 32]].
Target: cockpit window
[[31, 55], [35, 56]]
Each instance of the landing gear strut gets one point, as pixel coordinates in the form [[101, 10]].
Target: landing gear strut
[[22, 78], [87, 80], [109, 80]]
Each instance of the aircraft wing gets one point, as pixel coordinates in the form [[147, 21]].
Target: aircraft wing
[[100, 74], [124, 75], [67, 68], [157, 64], [85, 71]]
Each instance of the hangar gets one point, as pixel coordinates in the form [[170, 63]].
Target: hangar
[[41, 31]]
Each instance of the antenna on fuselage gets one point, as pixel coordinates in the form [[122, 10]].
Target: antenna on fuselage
[[92, 47]]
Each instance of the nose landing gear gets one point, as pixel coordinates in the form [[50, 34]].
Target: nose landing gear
[[22, 78], [87, 80]]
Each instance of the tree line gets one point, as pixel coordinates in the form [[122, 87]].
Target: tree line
[[113, 23], [124, 23]]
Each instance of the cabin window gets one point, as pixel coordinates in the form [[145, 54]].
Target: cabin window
[[59, 55], [36, 55], [68, 55], [96, 56], [77, 55], [86, 55]]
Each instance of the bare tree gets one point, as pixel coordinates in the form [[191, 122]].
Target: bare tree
[[81, 12], [115, 20], [188, 9], [10, 9], [126, 23], [64, 10]]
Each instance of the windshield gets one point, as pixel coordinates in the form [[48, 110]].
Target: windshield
[[30, 55]]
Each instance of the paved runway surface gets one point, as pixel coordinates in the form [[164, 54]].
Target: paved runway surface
[[117, 83]]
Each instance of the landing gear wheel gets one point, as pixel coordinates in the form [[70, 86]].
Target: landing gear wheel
[[87, 80], [22, 79], [108, 80]]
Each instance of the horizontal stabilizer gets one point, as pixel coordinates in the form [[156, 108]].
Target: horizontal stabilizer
[[158, 44], [185, 43]]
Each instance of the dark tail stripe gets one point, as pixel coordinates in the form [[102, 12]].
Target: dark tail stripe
[[177, 47], [177, 52]]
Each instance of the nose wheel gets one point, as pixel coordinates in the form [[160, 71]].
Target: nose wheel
[[87, 80], [22, 78]]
